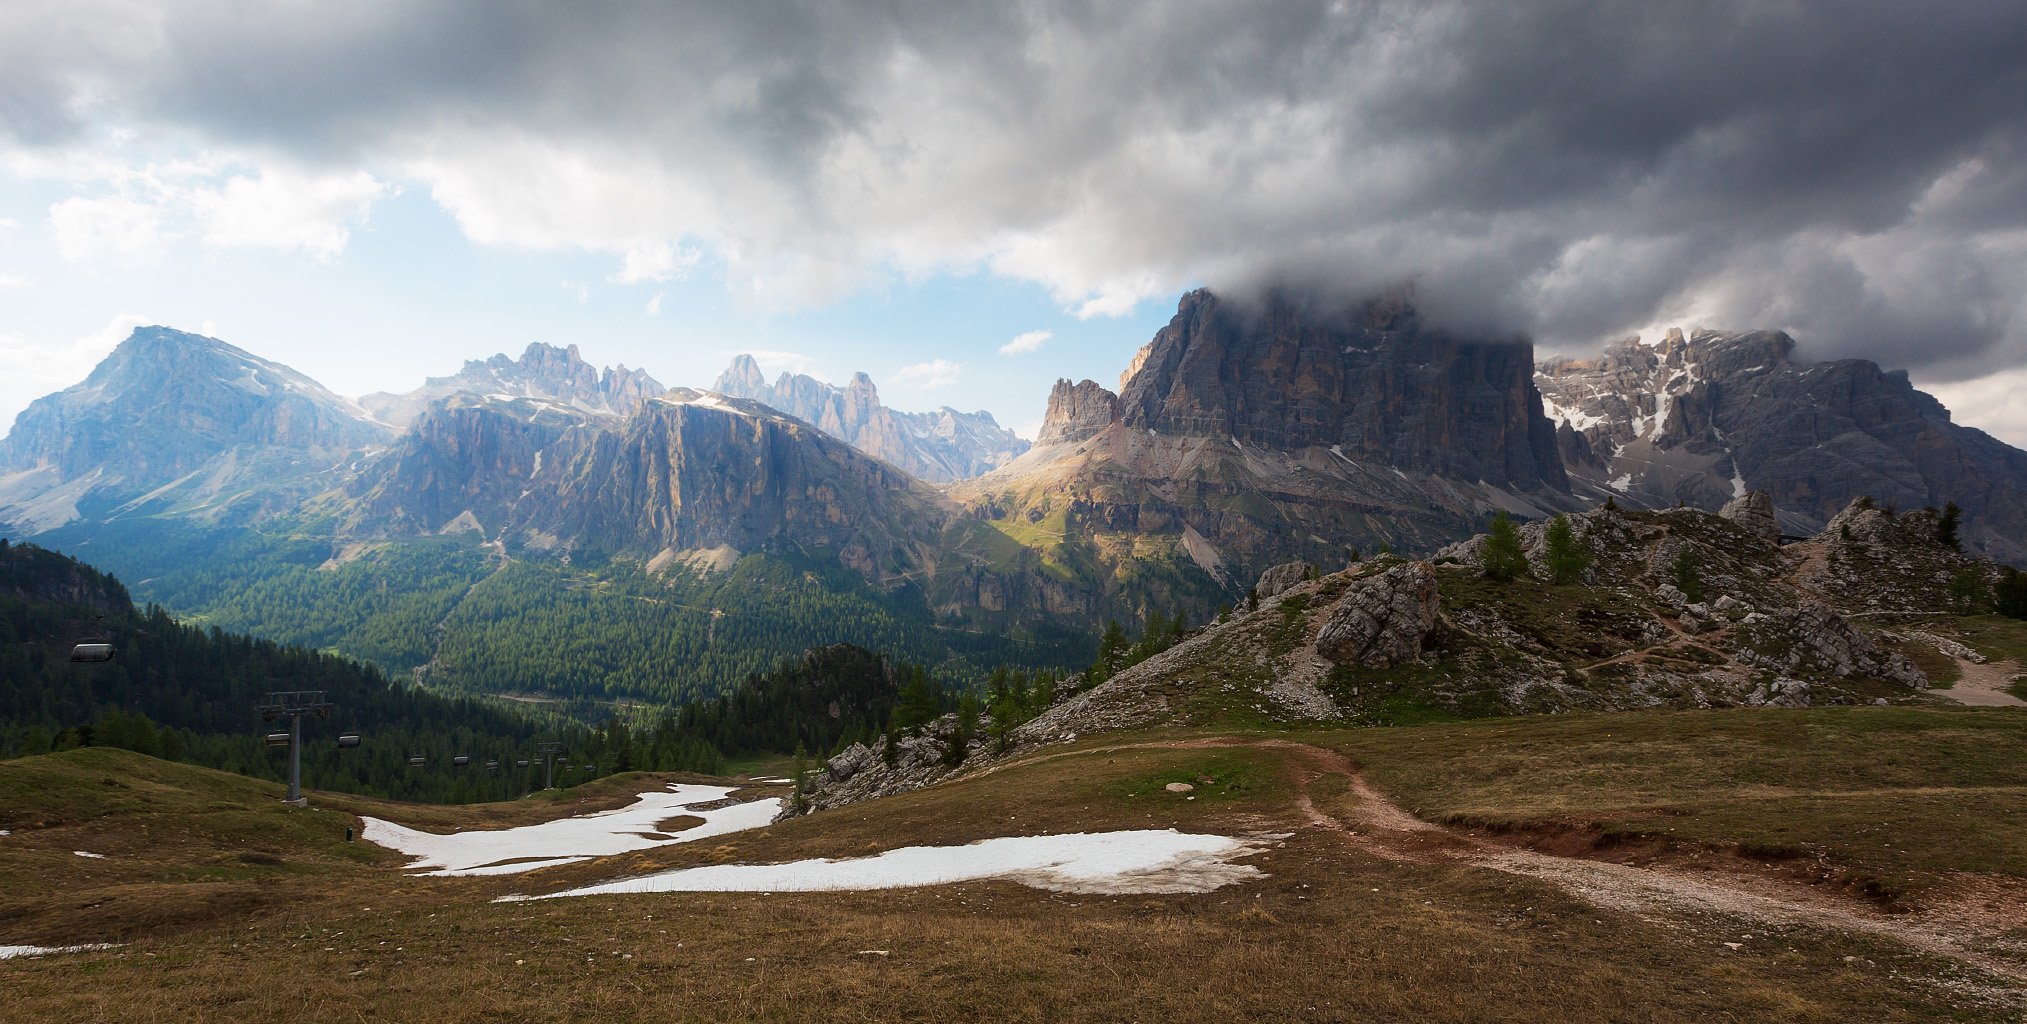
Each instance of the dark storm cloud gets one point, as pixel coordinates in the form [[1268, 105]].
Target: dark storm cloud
[[1850, 171]]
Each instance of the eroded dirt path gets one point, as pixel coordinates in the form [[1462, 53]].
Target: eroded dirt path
[[1969, 925], [1984, 685]]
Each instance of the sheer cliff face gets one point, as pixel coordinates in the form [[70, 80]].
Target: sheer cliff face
[[1705, 417], [461, 465], [692, 471], [936, 446], [1371, 381], [543, 372]]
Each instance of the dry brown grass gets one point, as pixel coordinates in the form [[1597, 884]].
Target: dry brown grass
[[1331, 934]]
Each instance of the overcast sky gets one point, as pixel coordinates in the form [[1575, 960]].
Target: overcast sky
[[969, 200]]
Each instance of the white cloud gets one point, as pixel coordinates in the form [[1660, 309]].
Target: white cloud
[[935, 373], [1025, 342], [658, 262], [13, 281], [1991, 404], [654, 307], [92, 228], [285, 209], [578, 290], [8, 226], [133, 206]]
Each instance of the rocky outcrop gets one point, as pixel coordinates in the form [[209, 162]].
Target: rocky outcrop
[[1873, 559], [861, 772], [1754, 511], [1278, 579], [1812, 638], [937, 446], [1077, 412], [1702, 418], [1383, 620]]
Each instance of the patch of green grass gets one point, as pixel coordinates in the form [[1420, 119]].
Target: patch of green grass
[[1222, 777]]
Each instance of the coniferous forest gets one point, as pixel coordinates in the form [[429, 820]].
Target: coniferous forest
[[186, 693]]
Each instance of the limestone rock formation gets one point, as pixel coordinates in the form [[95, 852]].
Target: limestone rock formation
[[544, 373], [172, 419], [1077, 412], [935, 446], [1754, 510], [692, 470], [1279, 578], [1703, 418], [1382, 621]]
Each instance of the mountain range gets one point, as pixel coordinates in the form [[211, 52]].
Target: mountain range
[[415, 529]]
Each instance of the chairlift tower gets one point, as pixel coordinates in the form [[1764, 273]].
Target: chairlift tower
[[293, 705], [549, 751]]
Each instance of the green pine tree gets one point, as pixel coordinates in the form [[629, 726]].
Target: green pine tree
[[1503, 559], [1568, 558]]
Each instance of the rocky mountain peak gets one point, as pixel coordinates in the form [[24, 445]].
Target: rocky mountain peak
[[163, 406], [742, 377], [938, 446], [1370, 379], [1076, 412], [1706, 417], [543, 372]]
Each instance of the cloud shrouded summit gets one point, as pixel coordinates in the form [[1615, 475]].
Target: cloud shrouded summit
[[1856, 173]]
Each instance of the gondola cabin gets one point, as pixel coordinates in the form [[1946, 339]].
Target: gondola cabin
[[277, 739], [348, 741], [417, 761], [460, 761], [92, 652]]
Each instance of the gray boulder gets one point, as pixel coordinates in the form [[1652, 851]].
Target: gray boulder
[[1277, 580], [1754, 510], [1382, 620]]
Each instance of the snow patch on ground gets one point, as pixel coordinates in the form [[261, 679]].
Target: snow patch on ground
[[10, 952], [567, 840], [1143, 861], [85, 853]]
